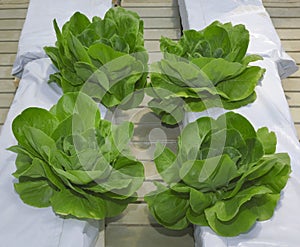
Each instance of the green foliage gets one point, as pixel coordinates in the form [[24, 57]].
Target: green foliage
[[225, 175], [70, 159], [104, 58], [204, 69]]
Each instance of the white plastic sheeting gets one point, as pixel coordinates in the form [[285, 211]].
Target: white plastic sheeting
[[20, 224], [38, 28], [270, 110], [197, 14]]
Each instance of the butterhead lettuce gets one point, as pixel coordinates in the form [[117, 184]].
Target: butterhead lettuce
[[74, 161], [204, 69], [104, 58], [225, 175]]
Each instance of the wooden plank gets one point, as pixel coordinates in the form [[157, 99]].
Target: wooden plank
[[7, 86], [11, 24], [155, 34], [137, 116], [174, 2], [155, 133], [155, 12], [6, 99], [158, 22], [101, 237], [146, 100], [297, 127], [14, 2], [291, 84], [144, 151], [282, 4], [147, 236], [134, 214], [3, 114], [295, 111], [7, 59], [291, 45], [288, 34], [279, 1], [150, 171], [152, 45], [5, 72], [286, 22], [296, 74], [152, 3], [296, 56], [155, 56], [8, 47], [283, 12], [13, 5], [145, 4], [8, 35], [13, 13], [293, 99], [146, 188]]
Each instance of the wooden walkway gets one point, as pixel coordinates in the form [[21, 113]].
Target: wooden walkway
[[135, 227], [12, 16], [286, 19]]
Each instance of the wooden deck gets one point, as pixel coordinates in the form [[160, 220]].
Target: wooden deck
[[286, 19], [135, 227], [12, 16]]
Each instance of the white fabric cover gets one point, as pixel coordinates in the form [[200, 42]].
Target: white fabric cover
[[270, 110], [20, 224], [197, 14], [38, 28]]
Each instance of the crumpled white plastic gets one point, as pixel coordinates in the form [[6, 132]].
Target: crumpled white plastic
[[271, 110], [21, 224], [38, 28], [264, 40]]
